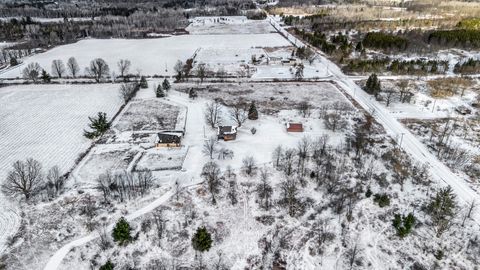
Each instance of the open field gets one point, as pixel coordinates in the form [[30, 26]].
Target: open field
[[148, 56], [46, 122]]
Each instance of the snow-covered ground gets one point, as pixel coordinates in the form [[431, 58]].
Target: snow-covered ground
[[148, 56], [228, 25], [46, 123]]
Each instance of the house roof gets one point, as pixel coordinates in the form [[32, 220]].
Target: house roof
[[227, 130], [294, 125], [168, 138]]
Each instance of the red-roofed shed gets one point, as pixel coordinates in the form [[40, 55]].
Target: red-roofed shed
[[294, 127]]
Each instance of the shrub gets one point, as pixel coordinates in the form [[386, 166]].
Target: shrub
[[403, 224], [382, 199], [107, 266]]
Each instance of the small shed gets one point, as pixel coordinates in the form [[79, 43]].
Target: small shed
[[294, 127], [227, 133], [168, 139]]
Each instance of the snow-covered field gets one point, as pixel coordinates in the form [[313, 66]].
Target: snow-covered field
[[228, 25], [46, 122], [148, 56]]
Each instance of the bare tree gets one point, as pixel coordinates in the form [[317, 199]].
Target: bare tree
[[468, 213], [352, 254], [160, 222], [25, 179], [289, 194], [55, 181], [239, 113], [277, 156], [73, 67], [32, 71], [201, 71], [213, 113], [127, 91], [211, 174], [334, 121], [58, 68], [104, 242], [210, 147], [389, 95], [123, 67], [98, 69], [264, 190], [249, 165], [304, 108], [232, 192]]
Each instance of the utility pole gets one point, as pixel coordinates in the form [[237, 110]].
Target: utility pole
[[401, 139]]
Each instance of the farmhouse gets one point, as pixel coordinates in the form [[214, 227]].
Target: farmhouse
[[227, 133], [168, 139], [294, 127]]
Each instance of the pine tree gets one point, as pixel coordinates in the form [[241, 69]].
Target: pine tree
[[45, 77], [107, 266], [121, 232], [192, 93], [202, 240], [159, 92], [143, 82], [166, 84], [99, 126], [373, 86], [403, 224], [442, 210], [252, 112], [13, 61]]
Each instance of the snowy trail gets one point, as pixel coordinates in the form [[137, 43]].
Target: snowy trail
[[191, 169], [410, 144]]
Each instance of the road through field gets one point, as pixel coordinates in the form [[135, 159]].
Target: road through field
[[410, 144]]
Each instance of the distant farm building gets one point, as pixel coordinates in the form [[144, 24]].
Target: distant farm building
[[169, 139], [294, 127], [227, 133]]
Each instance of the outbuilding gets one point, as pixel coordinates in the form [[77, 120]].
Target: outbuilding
[[294, 127]]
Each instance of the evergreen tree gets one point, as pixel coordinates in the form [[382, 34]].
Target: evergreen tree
[[166, 85], [13, 61], [99, 126], [107, 266], [202, 240], [159, 92], [143, 82], [252, 112], [403, 224], [192, 93], [121, 232], [373, 86], [442, 210], [45, 77]]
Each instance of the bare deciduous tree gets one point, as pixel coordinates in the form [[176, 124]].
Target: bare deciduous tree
[[98, 69], [264, 190], [239, 113], [73, 67], [58, 68], [201, 71], [210, 147], [127, 91], [123, 67], [213, 114], [249, 165], [25, 179], [304, 108], [32, 71], [211, 174], [55, 181]]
